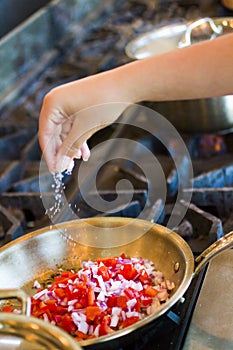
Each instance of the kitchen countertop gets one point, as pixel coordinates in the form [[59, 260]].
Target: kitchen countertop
[[211, 326]]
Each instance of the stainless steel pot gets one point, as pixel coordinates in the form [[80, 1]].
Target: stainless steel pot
[[199, 115], [37, 255]]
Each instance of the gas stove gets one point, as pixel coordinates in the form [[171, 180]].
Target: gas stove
[[80, 53]]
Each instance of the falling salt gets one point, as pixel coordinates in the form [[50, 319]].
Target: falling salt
[[70, 167], [68, 239], [58, 187]]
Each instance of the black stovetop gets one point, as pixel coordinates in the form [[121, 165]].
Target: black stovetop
[[102, 49]]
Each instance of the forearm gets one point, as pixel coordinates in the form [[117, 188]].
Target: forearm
[[199, 71]]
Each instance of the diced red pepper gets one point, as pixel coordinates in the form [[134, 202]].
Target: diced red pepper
[[64, 277], [111, 302], [130, 293], [75, 292], [121, 301], [51, 304], [81, 335], [129, 321], [137, 306], [109, 262], [92, 312], [146, 302], [150, 291], [104, 272], [60, 292], [128, 271], [7, 308], [78, 305], [67, 324], [90, 296], [104, 326], [40, 310], [61, 310], [144, 277], [83, 301]]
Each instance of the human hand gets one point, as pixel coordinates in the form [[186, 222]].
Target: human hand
[[64, 130], [71, 114]]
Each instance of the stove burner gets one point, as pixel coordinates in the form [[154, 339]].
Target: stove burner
[[10, 172], [207, 145], [212, 190], [10, 227], [99, 49], [200, 228], [210, 145]]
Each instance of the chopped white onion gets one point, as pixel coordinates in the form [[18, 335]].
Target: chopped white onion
[[115, 285], [102, 305], [101, 283], [114, 320], [131, 303], [40, 294], [101, 296], [36, 284], [96, 331], [45, 317], [78, 317], [136, 285], [83, 327], [72, 302], [116, 310], [133, 314]]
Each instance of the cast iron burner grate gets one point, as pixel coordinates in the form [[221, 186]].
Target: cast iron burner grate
[[101, 48], [21, 208]]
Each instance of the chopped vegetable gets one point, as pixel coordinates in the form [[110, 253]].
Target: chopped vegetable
[[104, 296], [7, 308]]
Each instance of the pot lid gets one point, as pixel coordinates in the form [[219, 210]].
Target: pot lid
[[177, 35], [19, 332]]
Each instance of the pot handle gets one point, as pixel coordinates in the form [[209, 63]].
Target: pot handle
[[186, 40], [20, 295], [220, 245]]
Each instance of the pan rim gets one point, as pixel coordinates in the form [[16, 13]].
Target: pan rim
[[178, 240]]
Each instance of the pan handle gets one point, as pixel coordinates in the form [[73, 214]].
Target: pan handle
[[220, 245], [186, 40], [20, 295]]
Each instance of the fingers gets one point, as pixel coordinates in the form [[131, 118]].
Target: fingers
[[50, 130], [85, 152], [65, 162], [58, 141], [50, 155], [50, 142], [63, 132]]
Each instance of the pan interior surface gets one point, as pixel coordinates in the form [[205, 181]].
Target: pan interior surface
[[39, 255]]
